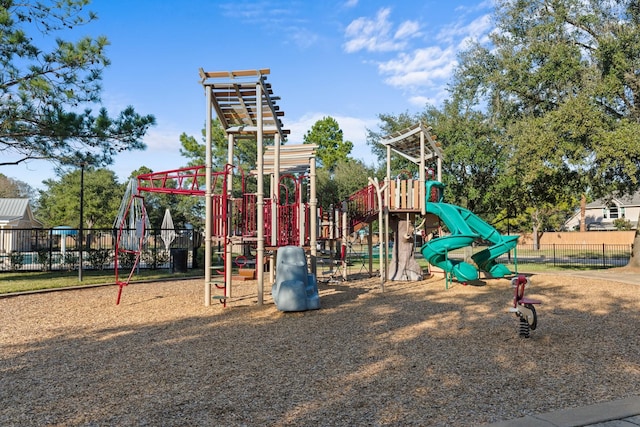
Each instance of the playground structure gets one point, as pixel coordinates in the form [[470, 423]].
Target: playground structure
[[256, 226], [405, 199], [244, 104]]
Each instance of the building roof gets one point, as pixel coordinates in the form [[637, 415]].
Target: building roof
[[12, 209], [294, 158], [406, 143], [622, 201]]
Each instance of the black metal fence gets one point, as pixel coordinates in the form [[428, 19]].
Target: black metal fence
[[571, 255], [48, 249], [590, 256]]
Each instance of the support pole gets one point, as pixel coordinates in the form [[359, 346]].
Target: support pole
[[421, 179], [260, 194], [384, 208], [301, 212], [275, 195], [313, 215], [228, 243], [207, 201], [381, 251], [345, 243], [81, 229]]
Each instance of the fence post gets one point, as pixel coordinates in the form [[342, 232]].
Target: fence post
[[554, 254], [50, 239], [155, 249], [604, 260]]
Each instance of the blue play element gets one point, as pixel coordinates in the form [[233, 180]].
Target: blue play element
[[294, 289]]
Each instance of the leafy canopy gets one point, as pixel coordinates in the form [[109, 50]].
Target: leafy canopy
[[47, 90], [328, 136], [13, 188], [558, 87], [60, 201]]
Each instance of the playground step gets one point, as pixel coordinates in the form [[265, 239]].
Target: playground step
[[249, 273]]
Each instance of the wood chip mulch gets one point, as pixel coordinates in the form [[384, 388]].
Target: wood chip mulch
[[416, 355]]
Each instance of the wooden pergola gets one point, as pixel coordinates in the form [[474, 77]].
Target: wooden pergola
[[246, 107], [418, 145], [408, 196], [234, 97]]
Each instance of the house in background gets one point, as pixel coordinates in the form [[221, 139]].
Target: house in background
[[16, 222], [601, 214]]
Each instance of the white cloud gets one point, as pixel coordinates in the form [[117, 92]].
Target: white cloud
[[407, 29], [460, 32], [375, 35], [422, 67], [471, 8], [302, 37], [163, 140], [275, 17], [421, 101], [351, 3]]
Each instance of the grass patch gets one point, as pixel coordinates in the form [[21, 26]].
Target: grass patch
[[33, 281]]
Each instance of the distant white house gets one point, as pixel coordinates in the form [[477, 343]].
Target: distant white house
[[601, 214], [16, 214]]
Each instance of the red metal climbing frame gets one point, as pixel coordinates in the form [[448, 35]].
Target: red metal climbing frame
[[185, 181]]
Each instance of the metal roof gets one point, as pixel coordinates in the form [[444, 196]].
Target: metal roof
[[12, 209], [234, 98], [406, 143]]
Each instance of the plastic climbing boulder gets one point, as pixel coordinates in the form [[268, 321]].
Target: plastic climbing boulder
[[294, 289]]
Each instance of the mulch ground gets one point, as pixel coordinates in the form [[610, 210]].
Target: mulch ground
[[417, 354]]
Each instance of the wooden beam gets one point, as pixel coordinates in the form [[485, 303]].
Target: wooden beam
[[233, 74]]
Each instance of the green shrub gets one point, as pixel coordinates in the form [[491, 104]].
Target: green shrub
[[622, 224], [44, 257], [99, 258], [16, 259], [155, 257], [70, 261], [126, 259]]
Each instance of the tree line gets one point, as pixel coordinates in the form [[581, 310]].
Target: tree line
[[539, 120]]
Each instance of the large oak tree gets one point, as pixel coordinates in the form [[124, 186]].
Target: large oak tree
[[560, 81]]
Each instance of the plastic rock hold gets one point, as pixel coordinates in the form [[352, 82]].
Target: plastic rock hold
[[294, 289]]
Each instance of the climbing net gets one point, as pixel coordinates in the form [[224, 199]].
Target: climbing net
[[133, 227]]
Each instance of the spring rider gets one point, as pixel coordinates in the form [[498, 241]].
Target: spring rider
[[523, 307]]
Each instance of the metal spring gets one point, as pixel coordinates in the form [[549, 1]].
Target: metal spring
[[523, 328]]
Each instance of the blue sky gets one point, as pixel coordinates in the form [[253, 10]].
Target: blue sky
[[348, 59]]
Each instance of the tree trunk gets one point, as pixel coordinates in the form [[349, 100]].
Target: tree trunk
[[583, 212], [535, 225], [403, 262], [634, 261]]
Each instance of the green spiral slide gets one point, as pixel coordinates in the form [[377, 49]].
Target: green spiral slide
[[465, 227]]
